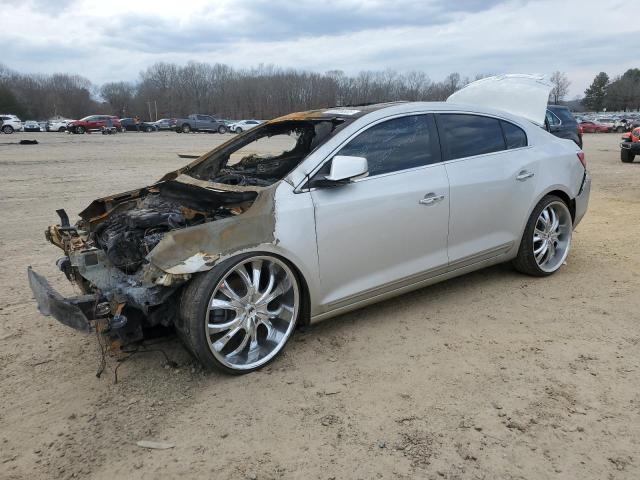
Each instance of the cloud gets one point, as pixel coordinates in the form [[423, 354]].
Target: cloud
[[435, 36]]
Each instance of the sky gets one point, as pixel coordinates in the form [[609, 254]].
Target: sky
[[115, 40]]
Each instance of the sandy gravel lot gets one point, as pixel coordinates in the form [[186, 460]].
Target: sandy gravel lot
[[493, 375]]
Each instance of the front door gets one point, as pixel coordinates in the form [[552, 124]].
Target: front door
[[383, 231]]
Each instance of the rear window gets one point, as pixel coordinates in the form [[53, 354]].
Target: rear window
[[565, 115], [514, 136], [469, 135]]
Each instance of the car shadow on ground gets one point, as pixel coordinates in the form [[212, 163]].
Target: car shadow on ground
[[169, 352]]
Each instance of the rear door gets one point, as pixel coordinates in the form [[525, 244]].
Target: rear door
[[383, 231], [492, 174], [205, 122]]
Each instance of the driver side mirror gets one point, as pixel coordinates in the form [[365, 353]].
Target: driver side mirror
[[345, 168]]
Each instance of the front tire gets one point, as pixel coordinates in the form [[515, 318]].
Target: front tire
[[186, 128], [238, 316], [238, 130], [626, 156], [80, 129], [546, 240], [222, 129], [62, 129]]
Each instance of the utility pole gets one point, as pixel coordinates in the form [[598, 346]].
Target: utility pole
[[156, 105], [149, 105]]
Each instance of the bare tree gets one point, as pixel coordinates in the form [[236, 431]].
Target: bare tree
[[560, 88], [119, 96]]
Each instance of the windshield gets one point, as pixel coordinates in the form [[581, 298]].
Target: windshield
[[265, 154]]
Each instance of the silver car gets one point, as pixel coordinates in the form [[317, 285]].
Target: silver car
[[318, 213]]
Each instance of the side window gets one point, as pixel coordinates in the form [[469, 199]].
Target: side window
[[466, 135], [204, 117], [397, 144], [552, 119], [565, 115], [513, 135]]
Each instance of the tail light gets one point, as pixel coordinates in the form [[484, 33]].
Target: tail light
[[583, 161], [580, 130]]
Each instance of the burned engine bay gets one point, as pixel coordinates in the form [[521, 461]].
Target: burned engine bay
[[108, 251], [132, 229]]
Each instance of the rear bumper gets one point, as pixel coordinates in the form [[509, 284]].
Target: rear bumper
[[582, 200], [74, 312]]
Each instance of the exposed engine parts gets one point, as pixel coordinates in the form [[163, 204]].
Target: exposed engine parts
[[127, 237]]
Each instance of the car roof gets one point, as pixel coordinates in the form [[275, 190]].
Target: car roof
[[557, 107], [348, 114]]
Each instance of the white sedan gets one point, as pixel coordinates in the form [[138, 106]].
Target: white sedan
[[317, 213], [58, 125], [243, 125]]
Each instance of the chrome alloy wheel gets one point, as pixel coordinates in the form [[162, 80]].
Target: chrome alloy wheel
[[552, 236], [252, 312]]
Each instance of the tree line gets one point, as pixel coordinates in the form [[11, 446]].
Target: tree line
[[263, 92], [173, 90], [620, 94]]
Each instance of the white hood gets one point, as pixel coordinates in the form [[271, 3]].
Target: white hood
[[519, 94]]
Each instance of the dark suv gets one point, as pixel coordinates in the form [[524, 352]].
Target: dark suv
[[561, 123]]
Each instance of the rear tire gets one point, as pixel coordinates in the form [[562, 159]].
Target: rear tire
[[8, 129], [626, 156], [546, 240], [186, 128], [258, 300]]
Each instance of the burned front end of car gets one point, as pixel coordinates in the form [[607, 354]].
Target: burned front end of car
[[132, 254], [105, 255]]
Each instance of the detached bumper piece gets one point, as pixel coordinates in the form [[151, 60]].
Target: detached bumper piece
[[74, 312]]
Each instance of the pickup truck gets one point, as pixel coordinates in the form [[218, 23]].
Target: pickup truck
[[200, 123]]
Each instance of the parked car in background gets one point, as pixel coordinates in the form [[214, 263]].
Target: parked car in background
[[243, 125], [310, 228], [58, 125], [31, 126], [630, 146], [129, 125], [165, 124], [200, 123], [608, 122], [560, 122], [593, 127], [93, 123], [10, 123]]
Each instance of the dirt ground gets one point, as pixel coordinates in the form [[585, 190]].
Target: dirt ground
[[493, 375]]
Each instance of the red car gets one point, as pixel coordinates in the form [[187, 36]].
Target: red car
[[593, 127], [93, 122]]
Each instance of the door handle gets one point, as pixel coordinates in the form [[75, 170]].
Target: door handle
[[431, 198], [524, 175]]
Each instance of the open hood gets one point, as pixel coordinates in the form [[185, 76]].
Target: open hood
[[519, 94]]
